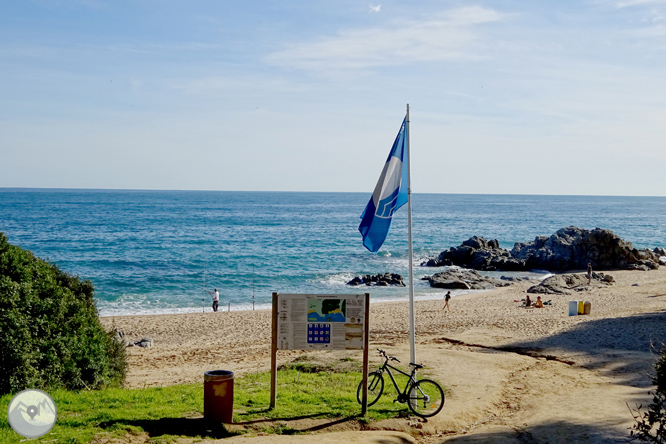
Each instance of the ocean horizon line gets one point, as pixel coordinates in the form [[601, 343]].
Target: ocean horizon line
[[369, 193]]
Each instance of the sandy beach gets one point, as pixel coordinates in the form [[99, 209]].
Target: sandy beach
[[512, 375]]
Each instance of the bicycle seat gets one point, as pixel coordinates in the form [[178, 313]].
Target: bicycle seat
[[416, 366]]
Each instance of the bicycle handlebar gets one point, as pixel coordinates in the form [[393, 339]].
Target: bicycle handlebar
[[387, 357]]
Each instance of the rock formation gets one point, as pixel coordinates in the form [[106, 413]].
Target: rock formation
[[661, 253], [478, 253], [380, 280], [464, 280], [565, 283], [570, 248]]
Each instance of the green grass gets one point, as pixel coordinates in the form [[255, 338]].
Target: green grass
[[165, 414]]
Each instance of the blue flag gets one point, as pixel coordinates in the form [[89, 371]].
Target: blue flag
[[389, 195]]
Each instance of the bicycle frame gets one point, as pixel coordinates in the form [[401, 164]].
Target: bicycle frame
[[423, 397], [412, 377]]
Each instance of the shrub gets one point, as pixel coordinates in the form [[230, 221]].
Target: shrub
[[50, 334], [650, 426]]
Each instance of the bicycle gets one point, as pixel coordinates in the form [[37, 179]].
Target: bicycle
[[423, 397]]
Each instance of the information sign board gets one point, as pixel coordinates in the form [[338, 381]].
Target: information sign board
[[321, 322]]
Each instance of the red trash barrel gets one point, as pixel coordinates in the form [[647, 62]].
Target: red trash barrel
[[219, 395]]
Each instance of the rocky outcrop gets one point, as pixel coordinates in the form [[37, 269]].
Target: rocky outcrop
[[570, 248], [573, 248], [478, 253], [379, 280], [566, 283], [464, 280]]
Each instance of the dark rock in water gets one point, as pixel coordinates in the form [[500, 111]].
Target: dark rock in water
[[480, 243], [565, 283], [465, 280], [356, 281], [380, 280], [570, 248], [478, 253], [573, 248]]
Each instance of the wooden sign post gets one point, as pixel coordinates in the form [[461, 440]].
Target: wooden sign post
[[320, 322]]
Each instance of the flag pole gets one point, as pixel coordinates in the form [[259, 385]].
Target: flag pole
[[412, 334]]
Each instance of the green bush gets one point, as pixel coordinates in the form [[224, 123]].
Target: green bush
[[50, 334], [650, 426]]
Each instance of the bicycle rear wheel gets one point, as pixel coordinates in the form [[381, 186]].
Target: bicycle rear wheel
[[426, 398], [375, 388]]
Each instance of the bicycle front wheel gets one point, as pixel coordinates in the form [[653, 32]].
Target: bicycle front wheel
[[375, 388], [426, 398]]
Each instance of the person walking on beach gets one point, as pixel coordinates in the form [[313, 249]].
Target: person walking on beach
[[216, 299], [447, 298], [589, 273]]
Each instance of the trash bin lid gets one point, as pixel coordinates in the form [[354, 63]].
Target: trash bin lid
[[218, 375]]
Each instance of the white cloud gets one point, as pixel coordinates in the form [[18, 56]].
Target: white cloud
[[628, 3], [442, 37], [375, 8]]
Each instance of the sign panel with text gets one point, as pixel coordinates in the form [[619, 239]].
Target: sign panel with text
[[321, 322]]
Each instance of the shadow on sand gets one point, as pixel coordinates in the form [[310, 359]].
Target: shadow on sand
[[200, 427], [624, 348], [556, 432], [192, 427]]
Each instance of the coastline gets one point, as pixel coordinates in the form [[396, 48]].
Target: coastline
[[430, 293], [503, 365], [267, 306]]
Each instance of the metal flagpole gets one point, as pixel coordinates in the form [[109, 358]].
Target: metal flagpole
[[412, 334]]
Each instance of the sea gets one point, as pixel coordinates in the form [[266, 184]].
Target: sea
[[154, 252]]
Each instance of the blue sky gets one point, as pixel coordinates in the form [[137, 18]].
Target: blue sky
[[549, 97]]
